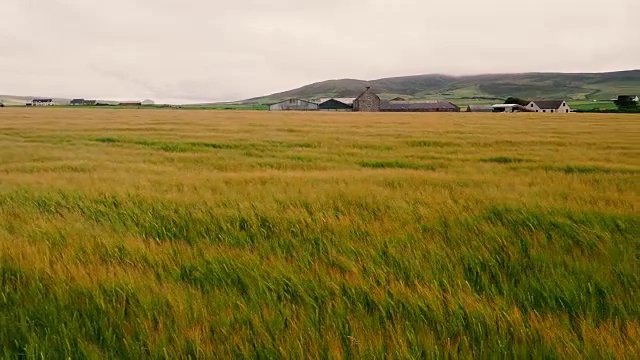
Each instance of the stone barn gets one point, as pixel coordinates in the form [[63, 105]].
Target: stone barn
[[368, 101], [294, 105]]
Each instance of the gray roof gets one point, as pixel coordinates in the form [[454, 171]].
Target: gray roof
[[480, 107], [286, 100], [549, 104], [347, 101], [417, 106]]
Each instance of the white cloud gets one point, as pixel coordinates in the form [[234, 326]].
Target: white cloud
[[202, 50]]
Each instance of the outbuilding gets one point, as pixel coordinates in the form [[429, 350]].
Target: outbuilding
[[294, 105], [508, 108], [334, 105], [415, 106], [479, 108], [42, 102]]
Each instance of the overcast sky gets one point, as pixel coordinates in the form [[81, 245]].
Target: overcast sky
[[183, 51]]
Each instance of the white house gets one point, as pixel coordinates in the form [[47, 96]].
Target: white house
[[549, 106]]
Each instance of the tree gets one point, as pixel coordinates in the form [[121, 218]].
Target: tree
[[515, 100], [626, 102]]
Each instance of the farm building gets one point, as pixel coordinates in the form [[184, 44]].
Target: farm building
[[82, 102], [479, 108], [627, 98], [411, 106], [368, 101], [334, 105], [294, 105], [42, 102], [509, 108], [549, 106], [348, 101]]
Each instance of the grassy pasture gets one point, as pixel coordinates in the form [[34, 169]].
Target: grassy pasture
[[176, 234]]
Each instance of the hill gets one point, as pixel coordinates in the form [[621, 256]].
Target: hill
[[571, 86]]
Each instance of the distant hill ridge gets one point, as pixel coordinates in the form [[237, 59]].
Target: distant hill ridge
[[570, 86]]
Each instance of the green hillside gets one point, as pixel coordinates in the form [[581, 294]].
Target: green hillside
[[594, 86]]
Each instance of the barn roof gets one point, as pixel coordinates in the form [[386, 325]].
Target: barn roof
[[286, 100], [549, 104], [334, 104], [347, 101], [417, 106], [480, 107]]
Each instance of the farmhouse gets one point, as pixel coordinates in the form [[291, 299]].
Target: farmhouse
[[294, 105], [368, 101], [549, 106], [42, 102], [411, 106], [335, 105], [479, 108]]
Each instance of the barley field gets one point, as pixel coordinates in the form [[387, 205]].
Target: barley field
[[181, 234]]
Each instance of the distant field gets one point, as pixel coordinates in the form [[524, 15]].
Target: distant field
[[217, 234], [592, 105]]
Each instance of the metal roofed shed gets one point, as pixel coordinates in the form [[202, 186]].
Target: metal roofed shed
[[509, 108], [411, 106], [294, 105], [335, 105], [479, 108]]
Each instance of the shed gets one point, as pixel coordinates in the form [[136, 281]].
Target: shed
[[42, 102], [294, 105], [368, 101], [334, 105], [410, 106], [508, 108], [479, 108]]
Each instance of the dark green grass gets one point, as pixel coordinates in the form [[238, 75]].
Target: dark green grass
[[528, 270], [504, 160]]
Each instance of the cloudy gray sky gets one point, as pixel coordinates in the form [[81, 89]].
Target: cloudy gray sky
[[183, 51]]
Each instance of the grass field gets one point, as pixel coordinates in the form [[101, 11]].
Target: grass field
[[176, 234], [591, 105]]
